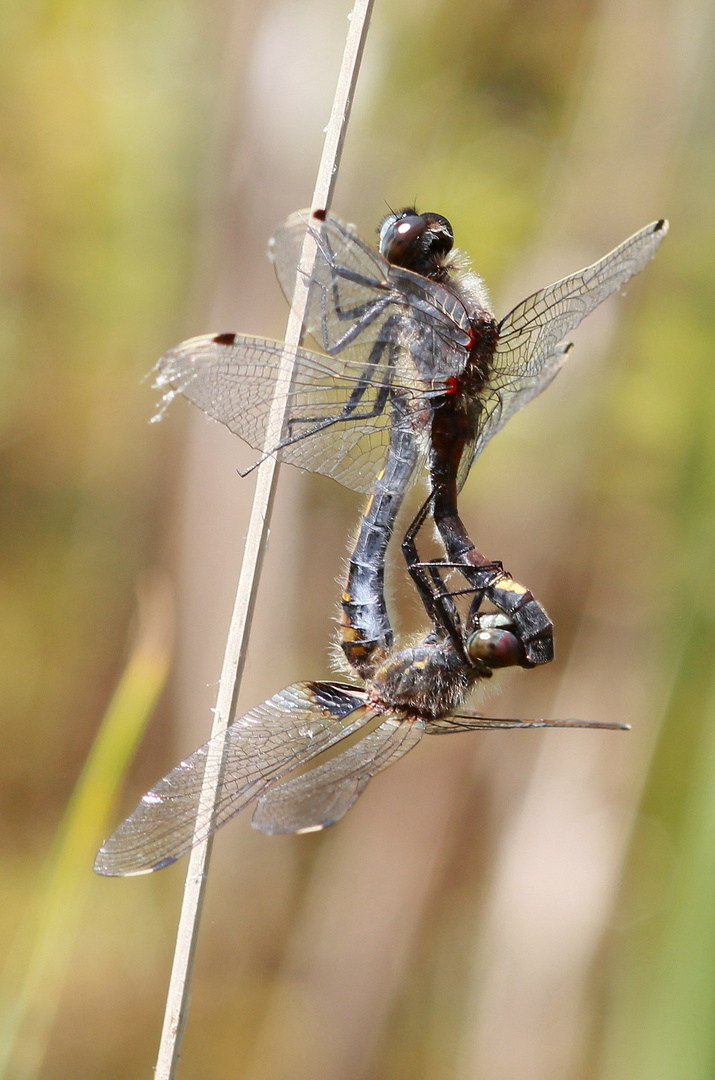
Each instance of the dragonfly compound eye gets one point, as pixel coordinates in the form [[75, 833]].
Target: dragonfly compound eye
[[439, 235], [400, 236], [495, 648], [419, 242]]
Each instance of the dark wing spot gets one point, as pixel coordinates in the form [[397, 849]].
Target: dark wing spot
[[336, 698], [225, 339], [320, 215]]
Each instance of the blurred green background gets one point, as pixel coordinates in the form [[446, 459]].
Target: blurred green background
[[526, 905]]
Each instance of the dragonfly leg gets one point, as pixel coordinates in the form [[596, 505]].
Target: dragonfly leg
[[348, 412], [416, 567], [360, 315], [437, 599], [531, 623], [430, 584]]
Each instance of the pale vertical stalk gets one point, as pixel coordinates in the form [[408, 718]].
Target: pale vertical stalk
[[235, 653]]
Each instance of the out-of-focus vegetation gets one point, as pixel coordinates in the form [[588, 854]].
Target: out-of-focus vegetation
[[509, 905]]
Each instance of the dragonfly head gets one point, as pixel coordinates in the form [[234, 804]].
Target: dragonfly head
[[496, 648], [419, 242]]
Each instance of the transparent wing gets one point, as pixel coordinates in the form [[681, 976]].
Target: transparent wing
[[354, 295], [284, 732], [528, 354], [453, 725], [321, 796], [499, 406], [529, 333], [389, 336], [348, 283], [338, 413]]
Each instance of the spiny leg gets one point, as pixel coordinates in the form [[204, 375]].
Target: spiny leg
[[531, 623], [437, 598], [487, 580]]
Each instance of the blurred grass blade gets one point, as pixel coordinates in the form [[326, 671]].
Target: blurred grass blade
[[679, 1036], [662, 1026], [177, 998], [34, 973]]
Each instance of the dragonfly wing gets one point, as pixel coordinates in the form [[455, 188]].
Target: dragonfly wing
[[348, 283], [529, 333], [356, 296], [337, 419], [528, 354], [499, 406], [392, 339], [321, 796], [277, 736], [453, 725]]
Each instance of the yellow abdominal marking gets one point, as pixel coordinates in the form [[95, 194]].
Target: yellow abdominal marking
[[509, 585]]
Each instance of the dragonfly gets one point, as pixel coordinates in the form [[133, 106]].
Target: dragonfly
[[415, 691], [416, 374]]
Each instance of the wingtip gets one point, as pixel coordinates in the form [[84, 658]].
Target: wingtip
[[104, 867], [593, 725], [109, 870], [111, 864], [605, 725]]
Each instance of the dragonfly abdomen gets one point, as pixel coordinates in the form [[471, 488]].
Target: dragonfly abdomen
[[365, 630]]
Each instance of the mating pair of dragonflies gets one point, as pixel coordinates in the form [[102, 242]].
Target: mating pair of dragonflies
[[415, 375]]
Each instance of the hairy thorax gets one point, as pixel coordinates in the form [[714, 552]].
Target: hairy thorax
[[427, 679]]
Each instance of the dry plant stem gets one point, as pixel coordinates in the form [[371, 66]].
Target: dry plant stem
[[234, 656]]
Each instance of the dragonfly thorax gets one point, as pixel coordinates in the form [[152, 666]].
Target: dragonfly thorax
[[428, 680]]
